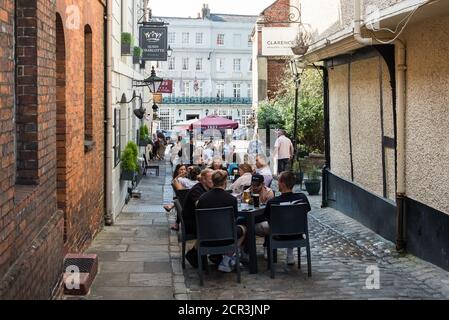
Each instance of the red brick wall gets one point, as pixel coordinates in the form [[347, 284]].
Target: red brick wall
[[31, 226], [84, 172], [274, 15]]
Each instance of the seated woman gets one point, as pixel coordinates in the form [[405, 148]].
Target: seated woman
[[183, 178], [263, 169], [242, 183], [217, 164]]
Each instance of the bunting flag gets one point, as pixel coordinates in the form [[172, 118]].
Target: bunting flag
[[196, 85]]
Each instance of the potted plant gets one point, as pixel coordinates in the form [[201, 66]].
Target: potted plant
[[137, 54], [313, 182], [126, 43], [129, 162], [144, 136], [297, 170]]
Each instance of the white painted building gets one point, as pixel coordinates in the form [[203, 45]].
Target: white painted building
[[211, 68], [123, 124]]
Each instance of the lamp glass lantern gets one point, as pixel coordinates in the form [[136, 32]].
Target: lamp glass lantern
[[169, 52], [297, 67], [153, 82]]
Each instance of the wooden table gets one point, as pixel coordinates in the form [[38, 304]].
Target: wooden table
[[250, 217]]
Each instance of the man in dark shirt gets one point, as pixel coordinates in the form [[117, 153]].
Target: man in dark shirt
[[189, 207], [219, 198], [287, 182]]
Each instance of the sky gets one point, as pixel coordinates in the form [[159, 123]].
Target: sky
[[186, 8]]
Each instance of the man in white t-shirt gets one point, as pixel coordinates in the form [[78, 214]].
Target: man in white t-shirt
[[284, 150]]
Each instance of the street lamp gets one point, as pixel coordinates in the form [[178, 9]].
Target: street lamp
[[169, 52], [153, 82], [297, 68]]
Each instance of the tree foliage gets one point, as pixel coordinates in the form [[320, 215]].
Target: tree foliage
[[279, 112]]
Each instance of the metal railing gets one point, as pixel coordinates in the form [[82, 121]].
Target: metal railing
[[205, 100]]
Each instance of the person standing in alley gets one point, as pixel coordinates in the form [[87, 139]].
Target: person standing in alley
[[283, 148]]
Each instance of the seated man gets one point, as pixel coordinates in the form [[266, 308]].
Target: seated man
[[258, 187], [286, 183], [188, 210], [219, 198]]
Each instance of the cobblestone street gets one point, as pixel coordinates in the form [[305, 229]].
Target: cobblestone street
[[140, 259]]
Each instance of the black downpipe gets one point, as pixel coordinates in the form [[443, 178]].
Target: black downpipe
[[107, 218], [327, 165]]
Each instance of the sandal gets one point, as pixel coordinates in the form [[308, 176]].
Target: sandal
[[174, 227], [168, 207]]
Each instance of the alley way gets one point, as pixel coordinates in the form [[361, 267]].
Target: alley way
[[140, 259]]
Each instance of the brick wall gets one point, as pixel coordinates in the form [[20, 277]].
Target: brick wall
[[83, 174], [31, 226], [274, 15]]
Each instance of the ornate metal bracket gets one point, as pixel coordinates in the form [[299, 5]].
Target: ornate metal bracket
[[294, 15]]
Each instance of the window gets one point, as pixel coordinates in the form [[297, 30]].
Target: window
[[237, 40], [171, 38], [186, 89], [185, 63], [171, 63], [250, 91], [220, 90], [220, 39], [185, 38], [173, 92], [199, 64], [220, 64], [166, 117], [237, 90], [88, 90], [198, 88], [250, 41], [199, 38], [250, 65], [237, 65], [246, 115], [224, 113]]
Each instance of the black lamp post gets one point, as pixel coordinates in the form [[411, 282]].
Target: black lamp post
[[297, 68]]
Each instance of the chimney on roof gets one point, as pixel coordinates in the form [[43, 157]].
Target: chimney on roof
[[205, 11]]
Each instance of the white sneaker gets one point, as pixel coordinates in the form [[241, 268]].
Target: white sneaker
[[225, 264], [290, 257]]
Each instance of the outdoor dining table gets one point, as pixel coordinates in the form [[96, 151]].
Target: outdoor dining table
[[249, 214]]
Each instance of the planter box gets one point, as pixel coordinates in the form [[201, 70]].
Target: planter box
[[126, 49], [313, 187], [136, 60], [143, 143], [128, 175], [142, 65]]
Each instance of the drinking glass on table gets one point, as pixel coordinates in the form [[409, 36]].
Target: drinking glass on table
[[246, 199]]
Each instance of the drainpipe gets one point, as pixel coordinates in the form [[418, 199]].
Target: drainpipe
[[401, 67], [358, 25], [108, 115]]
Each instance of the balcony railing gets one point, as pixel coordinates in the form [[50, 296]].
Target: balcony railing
[[203, 100]]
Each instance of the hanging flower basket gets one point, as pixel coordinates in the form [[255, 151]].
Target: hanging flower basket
[[300, 50]]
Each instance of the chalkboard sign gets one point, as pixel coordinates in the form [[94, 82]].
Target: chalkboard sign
[[153, 41]]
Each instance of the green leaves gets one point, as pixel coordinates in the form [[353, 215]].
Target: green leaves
[[129, 157], [126, 38], [279, 112]]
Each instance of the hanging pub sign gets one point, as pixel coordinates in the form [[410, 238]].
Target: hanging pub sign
[[166, 87], [153, 41]]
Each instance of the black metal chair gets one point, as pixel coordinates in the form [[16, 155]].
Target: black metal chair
[[181, 195], [288, 226], [184, 236], [216, 234]]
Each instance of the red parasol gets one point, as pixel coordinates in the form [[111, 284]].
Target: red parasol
[[215, 122]]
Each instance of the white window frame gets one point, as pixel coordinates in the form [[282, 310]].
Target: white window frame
[[237, 90], [220, 64], [237, 65], [199, 38], [185, 64], [220, 90], [185, 38], [186, 86], [250, 90], [172, 37], [171, 63], [166, 119], [199, 93], [199, 63], [220, 39]]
